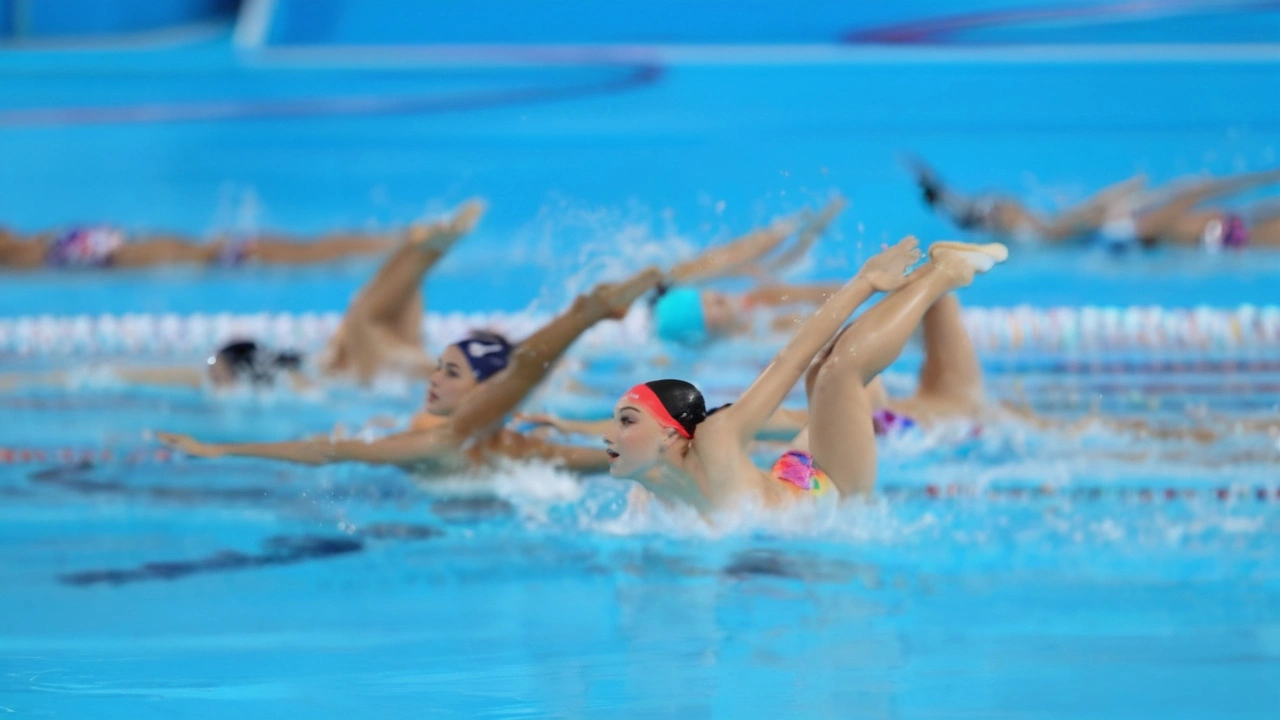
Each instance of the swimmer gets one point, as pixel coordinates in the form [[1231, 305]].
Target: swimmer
[[1005, 217], [689, 315], [381, 330], [103, 246], [664, 437], [1179, 220], [1123, 214], [476, 383]]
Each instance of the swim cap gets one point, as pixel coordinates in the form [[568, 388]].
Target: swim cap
[[673, 403], [678, 316], [247, 360], [487, 353]]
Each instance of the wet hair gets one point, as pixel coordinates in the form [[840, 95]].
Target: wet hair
[[247, 360], [683, 402], [931, 191]]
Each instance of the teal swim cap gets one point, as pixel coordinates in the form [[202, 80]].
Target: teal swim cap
[[678, 316]]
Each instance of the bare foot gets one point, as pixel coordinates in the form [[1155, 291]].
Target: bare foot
[[967, 259], [887, 270], [441, 234]]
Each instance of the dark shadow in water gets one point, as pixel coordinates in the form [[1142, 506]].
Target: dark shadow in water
[[280, 550], [779, 565], [762, 563], [276, 551], [472, 509]]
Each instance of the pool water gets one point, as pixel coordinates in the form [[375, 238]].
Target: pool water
[[1015, 573]]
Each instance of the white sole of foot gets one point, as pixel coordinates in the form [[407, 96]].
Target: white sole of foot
[[981, 257]]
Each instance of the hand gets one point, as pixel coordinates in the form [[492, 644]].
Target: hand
[[887, 270], [616, 298], [189, 445]]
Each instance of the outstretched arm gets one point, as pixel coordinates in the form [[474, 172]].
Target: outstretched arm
[[490, 402], [778, 295], [882, 272], [734, 257], [401, 449], [576, 458], [809, 233]]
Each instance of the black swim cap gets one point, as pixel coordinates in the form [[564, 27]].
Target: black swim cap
[[682, 401], [247, 360]]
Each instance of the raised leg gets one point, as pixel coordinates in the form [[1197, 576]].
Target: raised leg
[[155, 250], [841, 434], [282, 250], [399, 280], [1264, 224], [951, 367]]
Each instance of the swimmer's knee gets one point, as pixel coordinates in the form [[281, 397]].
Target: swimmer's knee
[[836, 375]]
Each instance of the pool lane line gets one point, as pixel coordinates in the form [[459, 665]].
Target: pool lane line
[[1073, 333], [1097, 493], [76, 463]]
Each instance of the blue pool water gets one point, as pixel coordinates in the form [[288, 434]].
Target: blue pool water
[[1016, 574]]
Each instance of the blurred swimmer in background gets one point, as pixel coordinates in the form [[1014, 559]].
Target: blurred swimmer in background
[[104, 246], [686, 313], [479, 380], [380, 334], [1120, 216]]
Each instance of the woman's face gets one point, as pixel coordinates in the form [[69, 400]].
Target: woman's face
[[221, 375], [449, 382], [635, 441]]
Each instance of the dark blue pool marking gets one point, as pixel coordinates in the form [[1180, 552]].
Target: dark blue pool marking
[[472, 509], [276, 551], [81, 478], [632, 77], [943, 29]]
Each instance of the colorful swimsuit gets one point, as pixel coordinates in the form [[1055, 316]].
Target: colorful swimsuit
[[235, 252], [1229, 231], [888, 422], [796, 467], [85, 247]]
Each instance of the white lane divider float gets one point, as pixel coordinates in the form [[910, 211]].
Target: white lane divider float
[[1057, 329]]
